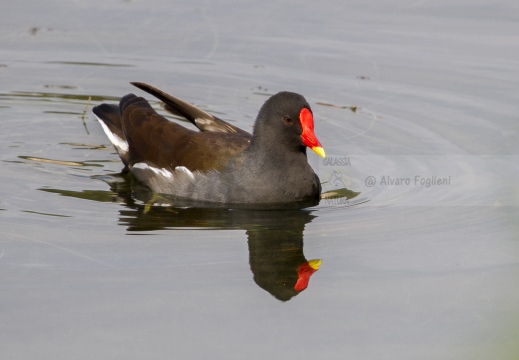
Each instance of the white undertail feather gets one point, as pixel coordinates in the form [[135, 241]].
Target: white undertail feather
[[120, 144]]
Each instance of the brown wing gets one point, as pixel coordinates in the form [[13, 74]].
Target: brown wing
[[154, 139], [201, 119]]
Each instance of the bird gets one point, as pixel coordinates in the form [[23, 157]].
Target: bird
[[218, 162]]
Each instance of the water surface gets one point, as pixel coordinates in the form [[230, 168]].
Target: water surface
[[404, 95]]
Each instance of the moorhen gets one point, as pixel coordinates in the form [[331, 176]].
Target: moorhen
[[220, 163]]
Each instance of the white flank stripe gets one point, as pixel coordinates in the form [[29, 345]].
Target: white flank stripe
[[186, 171], [162, 172]]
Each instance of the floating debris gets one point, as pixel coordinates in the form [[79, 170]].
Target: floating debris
[[83, 116], [58, 162], [340, 193], [353, 108]]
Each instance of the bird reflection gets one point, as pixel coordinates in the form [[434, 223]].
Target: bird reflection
[[276, 252], [275, 236]]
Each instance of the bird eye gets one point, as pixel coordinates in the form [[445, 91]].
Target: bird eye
[[287, 120]]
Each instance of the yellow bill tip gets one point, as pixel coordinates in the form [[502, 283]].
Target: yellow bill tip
[[319, 151], [315, 263]]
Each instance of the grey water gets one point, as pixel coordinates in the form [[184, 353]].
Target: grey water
[[416, 106]]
